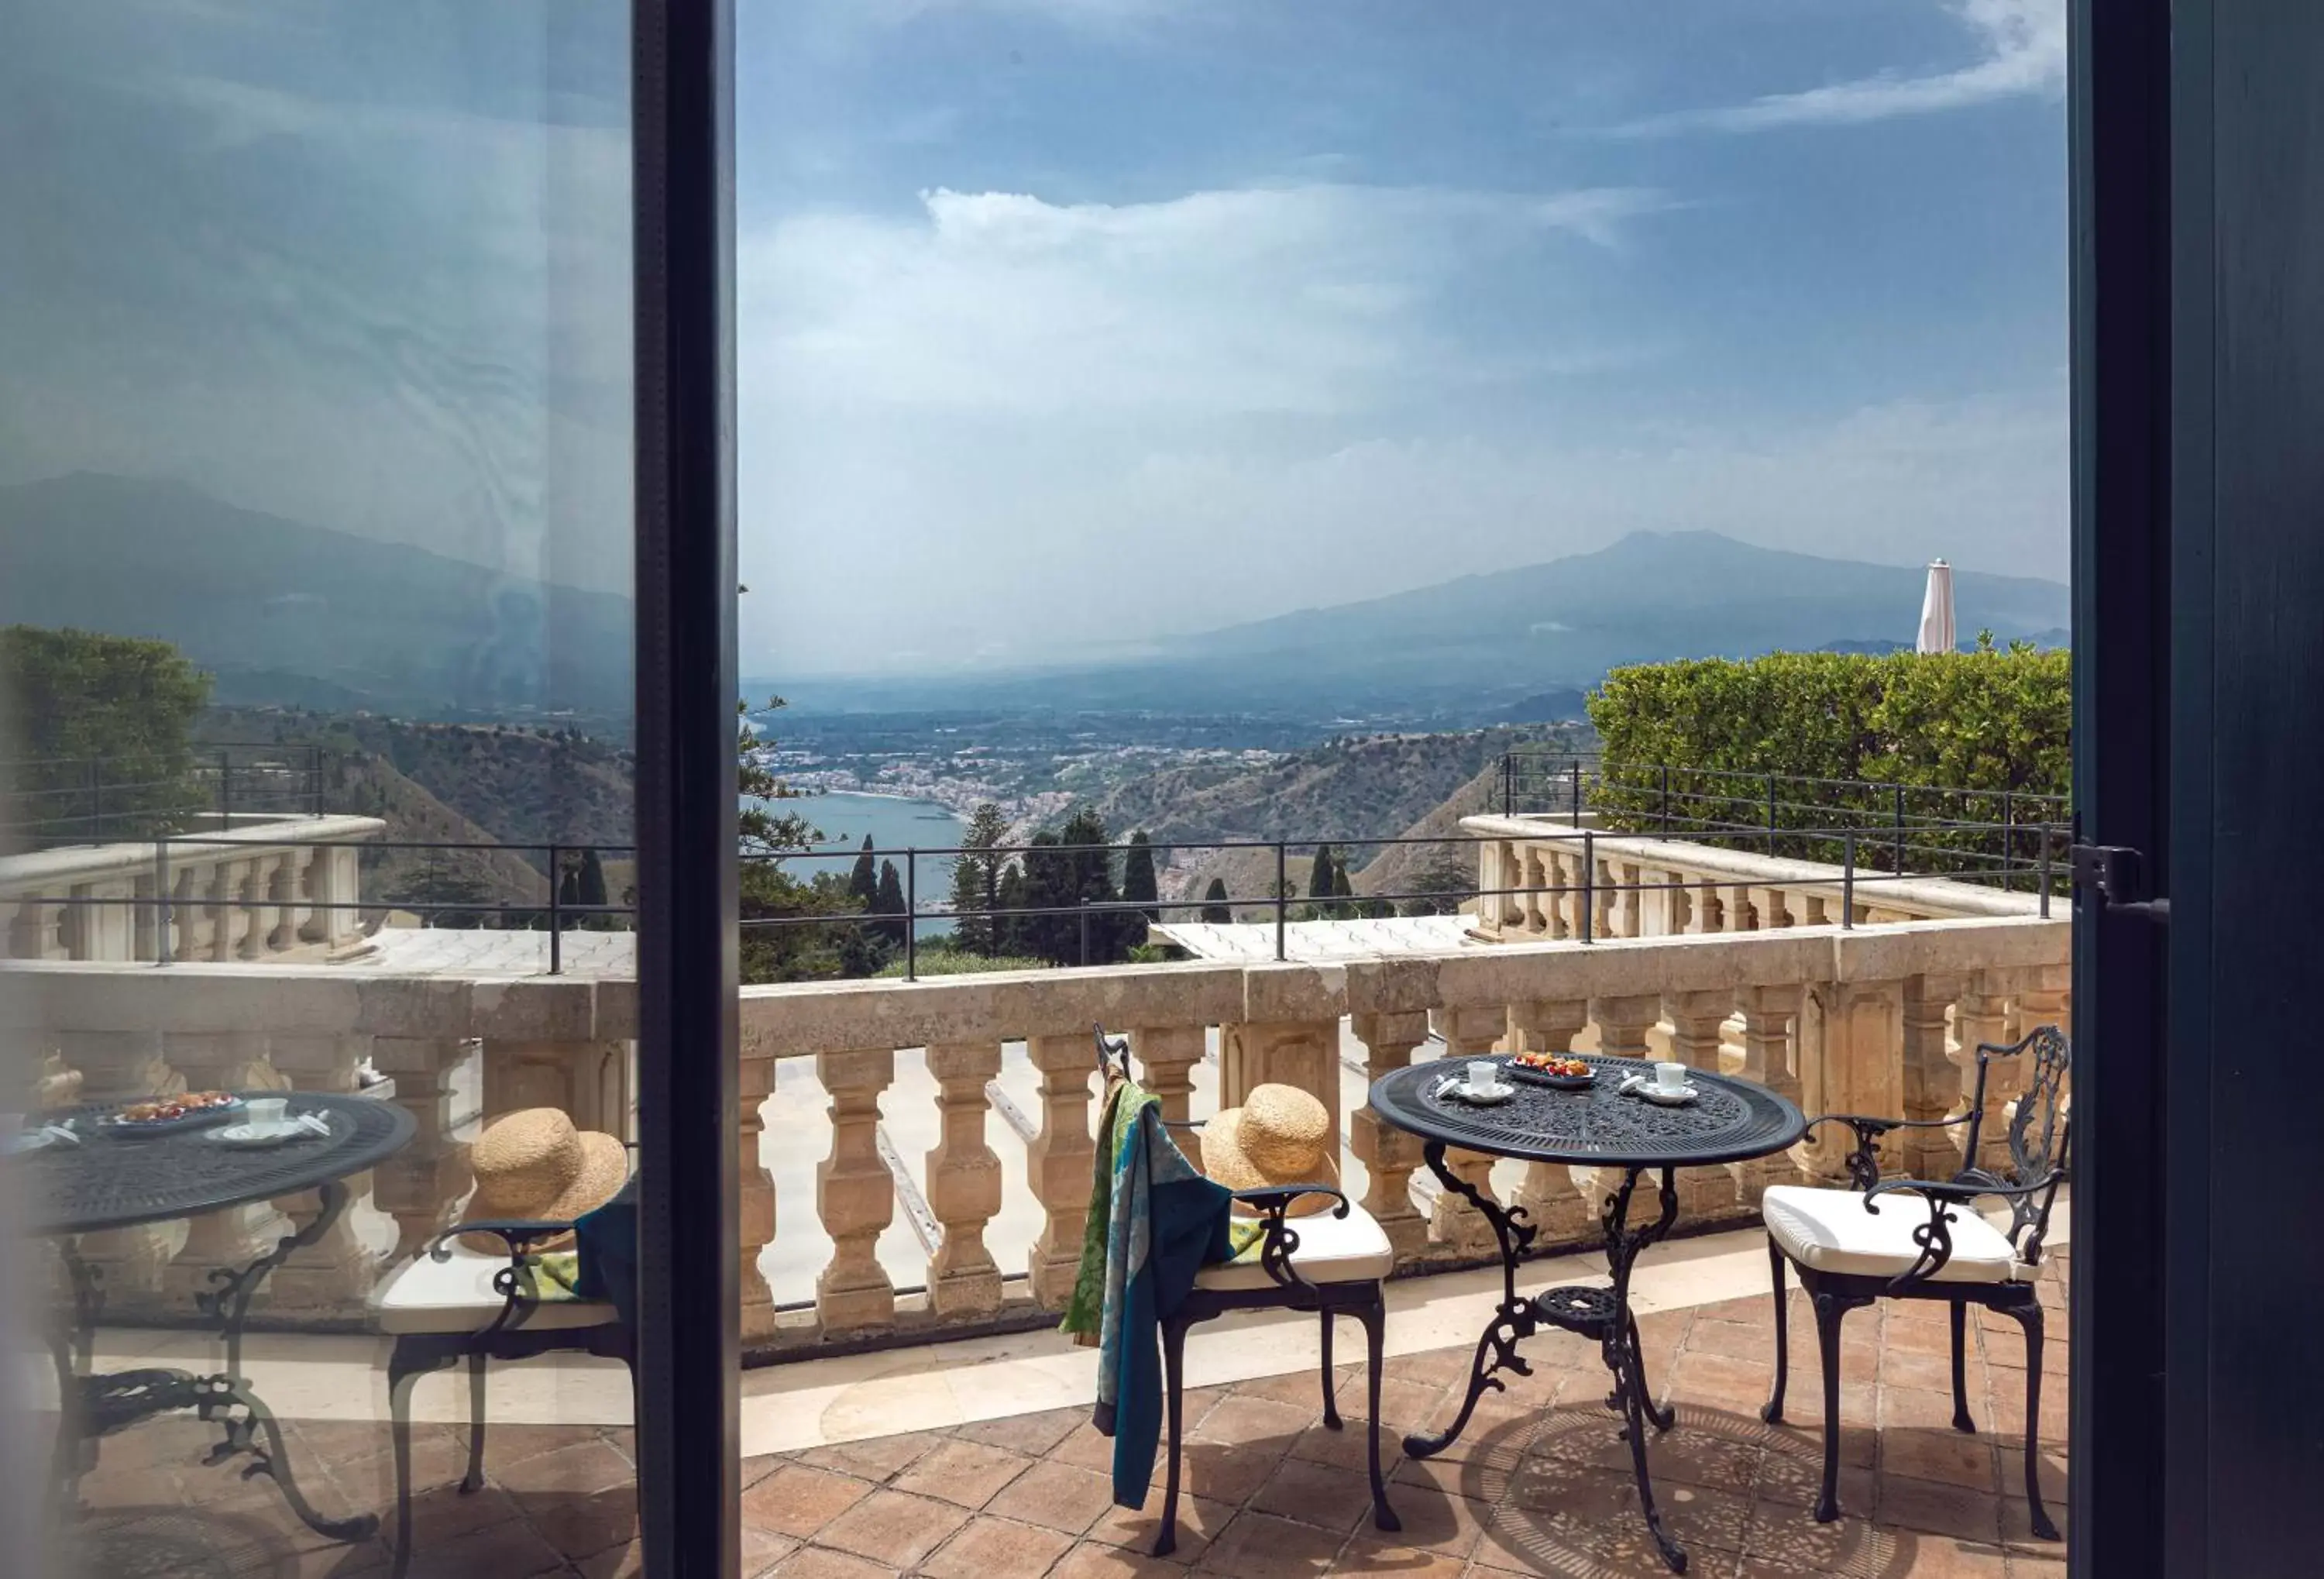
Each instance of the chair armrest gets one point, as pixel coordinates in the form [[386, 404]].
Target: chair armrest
[[512, 1282], [1934, 1237], [1282, 1241], [1863, 1163]]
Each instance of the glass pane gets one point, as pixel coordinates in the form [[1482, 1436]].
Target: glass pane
[[315, 821]]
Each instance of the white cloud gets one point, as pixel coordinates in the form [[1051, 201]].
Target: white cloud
[[1305, 299], [2022, 48]]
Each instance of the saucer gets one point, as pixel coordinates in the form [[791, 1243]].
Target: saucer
[[1486, 1096], [254, 1135], [1679, 1098]]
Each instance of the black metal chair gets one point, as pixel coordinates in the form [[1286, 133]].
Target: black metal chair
[[1848, 1252], [451, 1304], [1335, 1263]]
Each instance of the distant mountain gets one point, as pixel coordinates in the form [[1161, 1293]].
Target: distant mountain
[[1513, 646], [288, 613]]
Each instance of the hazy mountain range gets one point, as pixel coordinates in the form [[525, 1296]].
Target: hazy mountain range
[[283, 612], [287, 612]]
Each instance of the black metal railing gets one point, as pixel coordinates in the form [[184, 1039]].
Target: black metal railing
[[50, 801], [1954, 827]]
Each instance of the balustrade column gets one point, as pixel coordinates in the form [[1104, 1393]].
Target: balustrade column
[[1697, 1020], [1305, 1053], [1622, 1024], [1538, 918], [964, 1181], [257, 919], [335, 1273], [1167, 1055], [756, 1202], [587, 1081], [238, 1235], [1850, 1033], [421, 1186], [1456, 1226], [1710, 909], [282, 902], [1547, 1192], [1059, 1161], [1739, 912], [1769, 1015], [118, 1067], [1981, 1017], [1389, 1155], [1773, 907], [222, 910], [1931, 1080], [854, 1193]]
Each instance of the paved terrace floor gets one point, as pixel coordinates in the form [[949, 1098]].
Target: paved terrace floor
[[1539, 1485]]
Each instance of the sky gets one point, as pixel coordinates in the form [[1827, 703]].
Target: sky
[[1066, 325]]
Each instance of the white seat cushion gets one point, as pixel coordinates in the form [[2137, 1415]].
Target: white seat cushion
[[455, 1296], [1331, 1249], [1828, 1230]]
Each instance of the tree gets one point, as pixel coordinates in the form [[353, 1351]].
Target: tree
[[591, 879], [888, 904], [1139, 883], [976, 881], [863, 882], [1047, 886], [1319, 875], [793, 928], [1215, 909], [1012, 931], [568, 887], [115, 707], [1089, 868]]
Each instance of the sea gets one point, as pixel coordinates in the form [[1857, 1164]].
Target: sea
[[895, 825]]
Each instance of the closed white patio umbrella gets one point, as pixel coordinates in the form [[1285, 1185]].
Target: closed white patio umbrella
[[1937, 611]]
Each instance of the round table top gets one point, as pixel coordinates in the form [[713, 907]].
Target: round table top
[[1731, 1120], [111, 1181]]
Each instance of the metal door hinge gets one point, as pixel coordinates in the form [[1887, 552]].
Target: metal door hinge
[[2118, 874]]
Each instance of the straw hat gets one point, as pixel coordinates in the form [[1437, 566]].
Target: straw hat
[[1280, 1135], [533, 1163]]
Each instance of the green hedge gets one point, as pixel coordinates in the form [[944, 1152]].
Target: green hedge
[[1969, 736]]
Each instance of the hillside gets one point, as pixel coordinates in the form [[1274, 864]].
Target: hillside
[[459, 781], [288, 613]]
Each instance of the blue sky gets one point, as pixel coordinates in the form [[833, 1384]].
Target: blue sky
[[1070, 323]]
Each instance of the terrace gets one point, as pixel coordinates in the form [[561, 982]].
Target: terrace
[[915, 1159]]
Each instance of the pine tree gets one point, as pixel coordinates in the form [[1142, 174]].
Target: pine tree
[[863, 882], [1215, 909], [976, 881], [1139, 883], [888, 904]]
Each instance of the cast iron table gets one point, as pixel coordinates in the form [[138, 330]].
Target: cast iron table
[[109, 1182], [1731, 1121]]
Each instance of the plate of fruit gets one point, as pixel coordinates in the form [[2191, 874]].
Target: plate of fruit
[[1558, 1069], [164, 1115]]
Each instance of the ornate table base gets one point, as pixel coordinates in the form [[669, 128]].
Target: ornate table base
[[93, 1405], [1603, 1314]]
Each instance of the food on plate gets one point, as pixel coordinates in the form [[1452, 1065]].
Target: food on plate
[[1556, 1064], [164, 1110]]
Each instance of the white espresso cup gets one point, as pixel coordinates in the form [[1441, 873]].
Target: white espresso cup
[[1483, 1074], [1670, 1077], [267, 1112]]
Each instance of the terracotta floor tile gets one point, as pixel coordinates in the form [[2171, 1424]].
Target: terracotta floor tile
[[964, 1472], [1093, 1560], [1753, 1339], [1374, 1553], [997, 1548], [1936, 1509], [1315, 1493], [1486, 1483], [1935, 1556], [1200, 1519], [1055, 1496], [1085, 1447], [1943, 1454], [1300, 1389], [623, 1562], [894, 1528], [1259, 1546], [821, 1562], [875, 1459], [1241, 1422], [510, 1550], [763, 1549], [1349, 1447], [1781, 1538], [1225, 1473], [1032, 1435], [1431, 1520], [1911, 1368], [798, 1502]]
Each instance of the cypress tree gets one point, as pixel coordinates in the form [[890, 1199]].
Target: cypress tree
[[569, 889], [889, 905], [1319, 875], [1009, 929], [1139, 883], [591, 878], [1089, 880], [863, 882], [1215, 909]]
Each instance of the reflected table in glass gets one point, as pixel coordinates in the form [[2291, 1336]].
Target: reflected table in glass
[[110, 1181], [1598, 1126]]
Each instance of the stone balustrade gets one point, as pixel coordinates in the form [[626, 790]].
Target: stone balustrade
[[1532, 873], [259, 889], [977, 1224]]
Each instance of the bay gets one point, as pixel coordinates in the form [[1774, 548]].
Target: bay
[[895, 825]]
